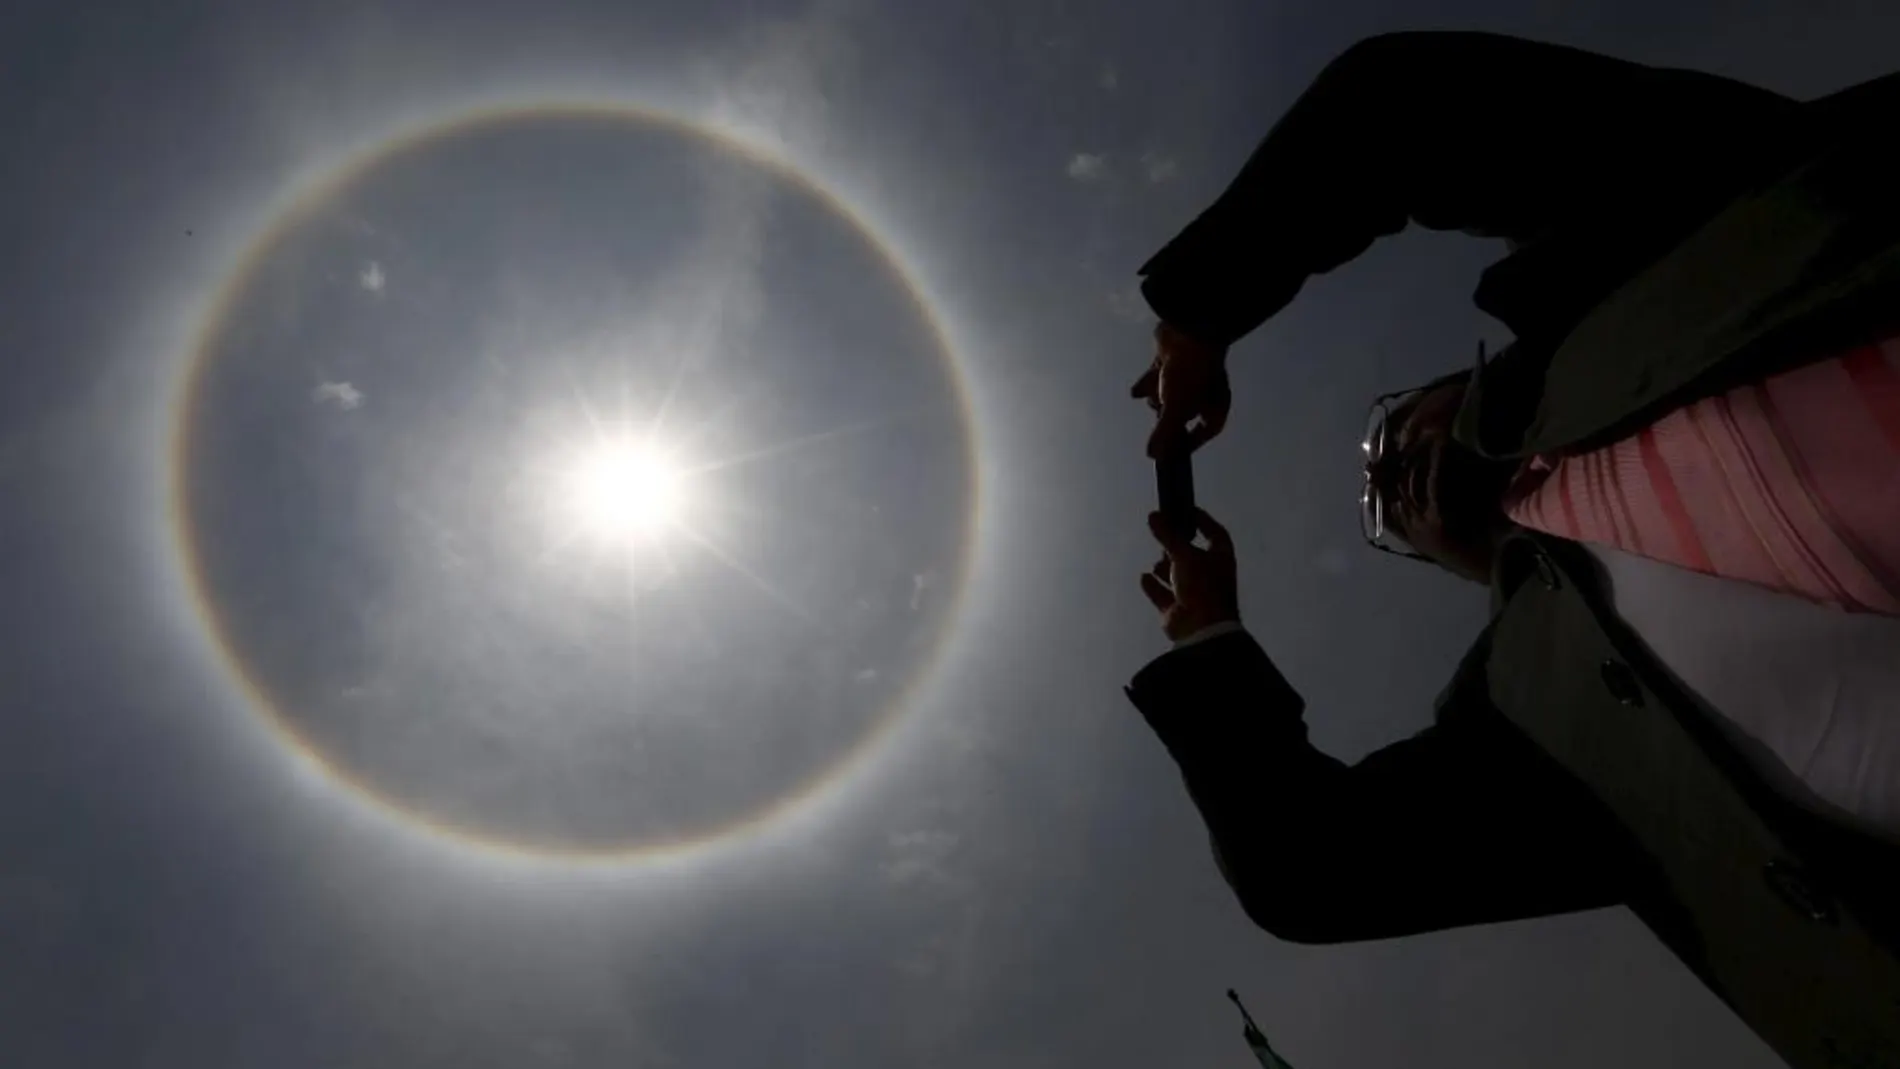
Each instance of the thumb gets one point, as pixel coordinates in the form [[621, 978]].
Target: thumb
[[1158, 593]]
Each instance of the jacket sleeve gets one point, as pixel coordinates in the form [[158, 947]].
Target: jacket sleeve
[[1465, 823], [1491, 135]]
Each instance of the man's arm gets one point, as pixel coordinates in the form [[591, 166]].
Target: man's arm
[[1464, 823], [1455, 131]]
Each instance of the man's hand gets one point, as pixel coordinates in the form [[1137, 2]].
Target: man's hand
[[1193, 588], [1187, 380]]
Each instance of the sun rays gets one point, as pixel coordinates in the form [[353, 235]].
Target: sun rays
[[619, 493]]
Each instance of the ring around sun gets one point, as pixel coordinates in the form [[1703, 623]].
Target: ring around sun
[[575, 482]]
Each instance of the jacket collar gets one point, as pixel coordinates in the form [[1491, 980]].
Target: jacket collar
[[1527, 556], [1798, 267]]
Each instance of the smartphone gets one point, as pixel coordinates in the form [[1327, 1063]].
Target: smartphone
[[1174, 482]]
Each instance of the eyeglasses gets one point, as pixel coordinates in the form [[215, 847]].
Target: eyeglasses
[[1380, 427]]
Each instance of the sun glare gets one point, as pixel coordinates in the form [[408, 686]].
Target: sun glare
[[625, 490]]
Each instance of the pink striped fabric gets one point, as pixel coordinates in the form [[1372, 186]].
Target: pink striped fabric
[[1792, 483]]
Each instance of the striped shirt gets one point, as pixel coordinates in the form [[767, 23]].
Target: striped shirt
[[1791, 483]]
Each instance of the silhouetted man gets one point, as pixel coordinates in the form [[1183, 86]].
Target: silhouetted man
[[1681, 482]]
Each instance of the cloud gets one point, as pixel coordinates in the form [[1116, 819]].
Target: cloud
[[920, 584], [868, 675], [775, 83], [371, 277], [1159, 168], [919, 858], [778, 81], [927, 869], [1088, 167], [341, 394]]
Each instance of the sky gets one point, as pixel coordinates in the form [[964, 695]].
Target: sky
[[344, 727]]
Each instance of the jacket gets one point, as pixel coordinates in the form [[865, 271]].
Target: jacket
[[1673, 234]]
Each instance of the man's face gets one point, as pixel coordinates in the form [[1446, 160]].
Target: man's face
[[1440, 498]]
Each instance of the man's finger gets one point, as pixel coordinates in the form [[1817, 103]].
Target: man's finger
[[1157, 591], [1169, 434], [1164, 569], [1213, 421], [1218, 537], [1170, 539]]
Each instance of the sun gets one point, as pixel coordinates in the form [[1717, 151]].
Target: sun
[[619, 491]]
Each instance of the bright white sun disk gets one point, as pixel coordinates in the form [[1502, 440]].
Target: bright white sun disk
[[620, 490]]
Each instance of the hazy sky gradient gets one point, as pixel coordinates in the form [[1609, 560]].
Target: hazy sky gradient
[[1016, 879]]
